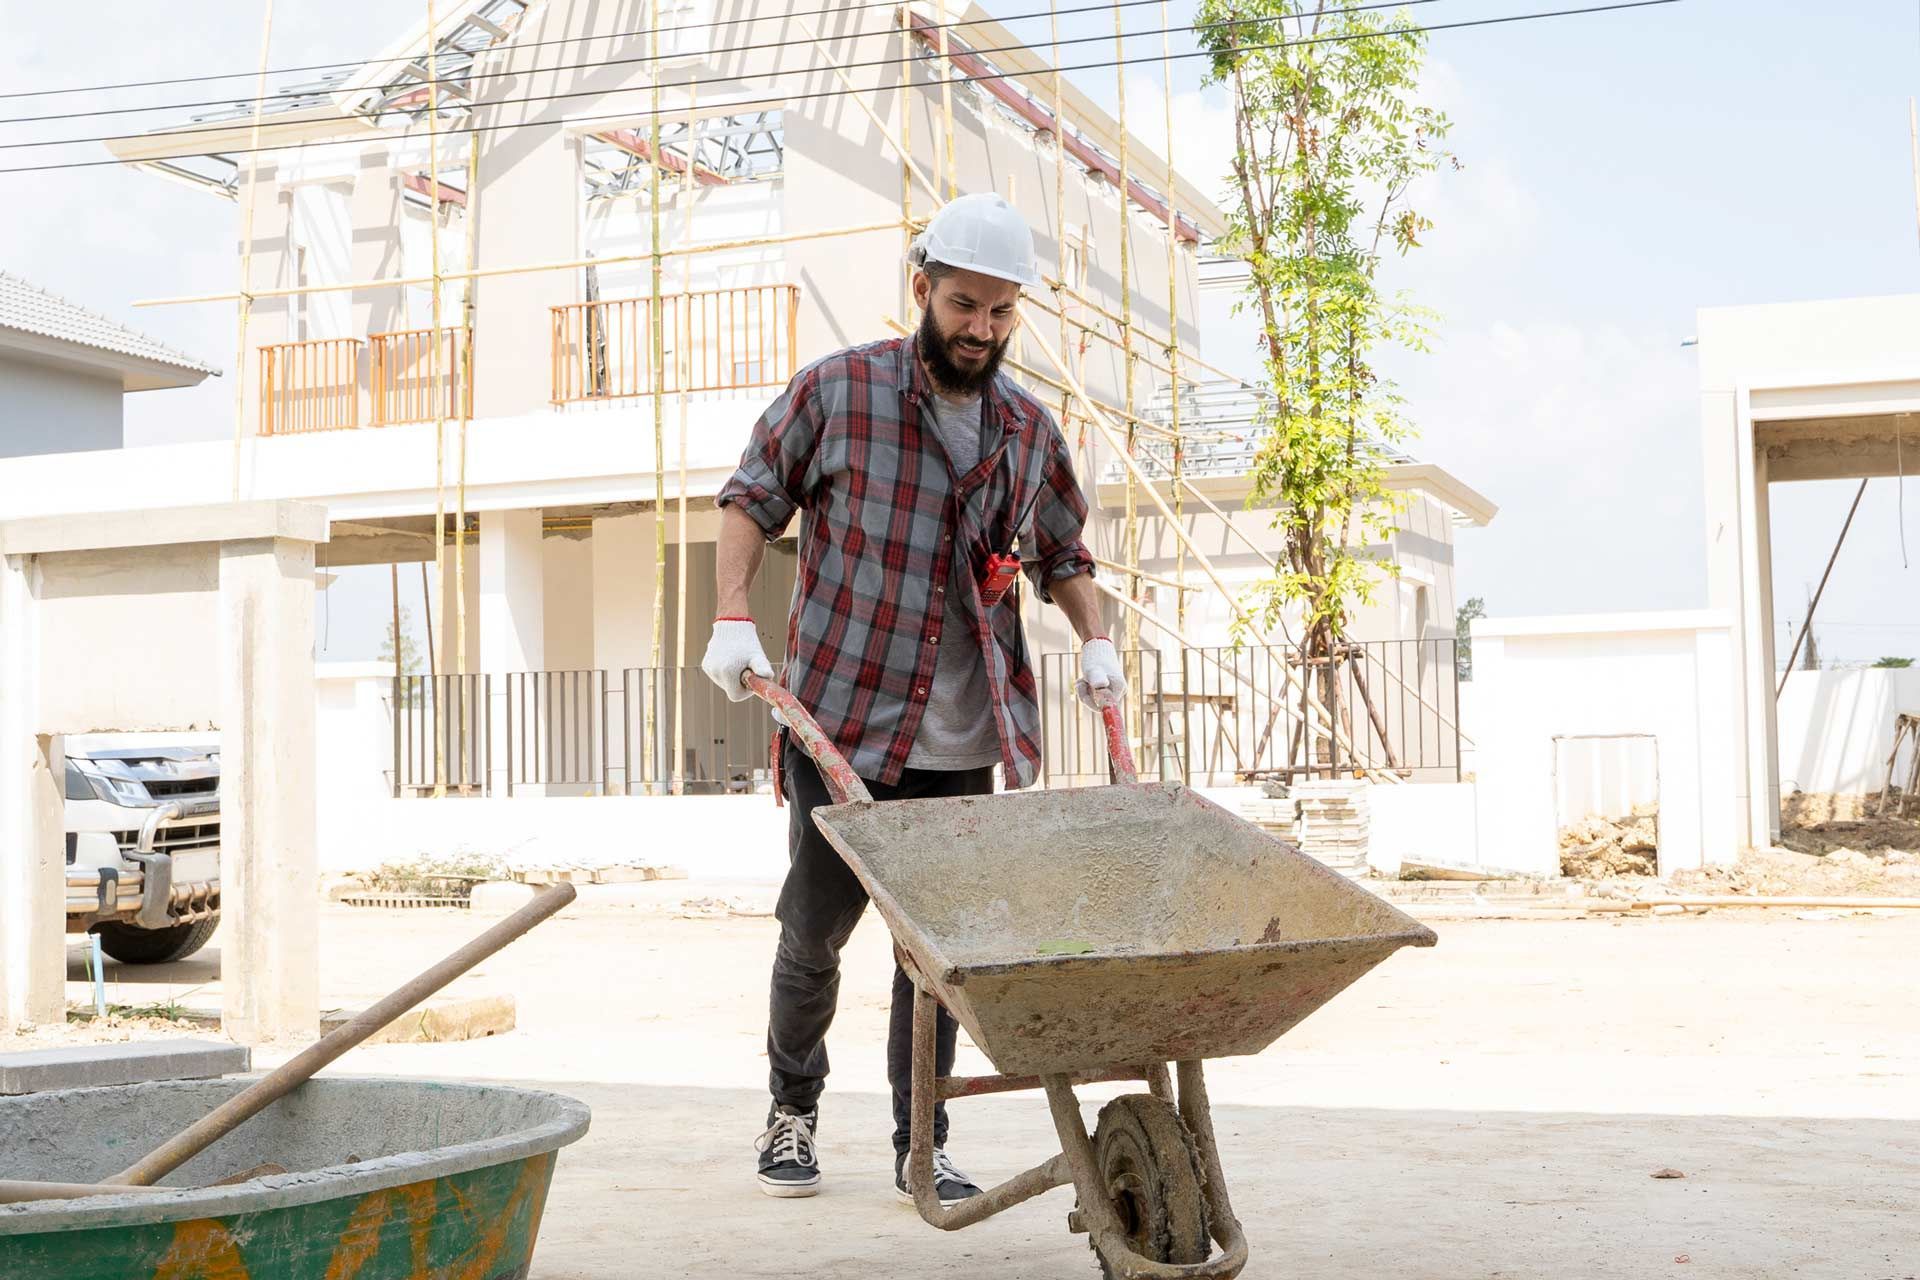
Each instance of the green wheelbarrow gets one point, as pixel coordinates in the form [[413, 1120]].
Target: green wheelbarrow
[[1092, 935]]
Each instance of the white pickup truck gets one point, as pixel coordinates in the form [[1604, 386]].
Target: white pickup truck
[[143, 846]]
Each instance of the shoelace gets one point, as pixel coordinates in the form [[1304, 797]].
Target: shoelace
[[789, 1139], [943, 1170]]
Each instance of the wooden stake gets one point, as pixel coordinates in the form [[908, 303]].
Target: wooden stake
[[426, 606], [399, 667], [245, 296]]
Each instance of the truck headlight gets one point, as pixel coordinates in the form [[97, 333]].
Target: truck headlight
[[112, 788]]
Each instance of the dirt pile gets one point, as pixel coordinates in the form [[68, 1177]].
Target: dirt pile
[[1595, 848], [1823, 823]]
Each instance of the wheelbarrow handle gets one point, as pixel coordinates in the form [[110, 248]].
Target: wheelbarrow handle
[[843, 784], [1124, 769]]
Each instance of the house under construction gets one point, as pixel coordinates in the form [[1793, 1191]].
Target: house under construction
[[514, 292]]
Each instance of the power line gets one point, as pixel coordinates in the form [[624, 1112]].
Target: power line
[[360, 62], [531, 99], [1107, 64], [290, 95]]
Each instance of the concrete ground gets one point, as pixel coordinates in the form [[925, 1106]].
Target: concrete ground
[[1494, 1107]]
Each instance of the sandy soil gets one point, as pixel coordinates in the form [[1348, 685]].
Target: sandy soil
[[1493, 1107]]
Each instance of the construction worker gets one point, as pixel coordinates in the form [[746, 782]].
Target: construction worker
[[920, 467]]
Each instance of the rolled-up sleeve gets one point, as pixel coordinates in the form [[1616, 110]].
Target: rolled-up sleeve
[[1055, 550], [770, 483]]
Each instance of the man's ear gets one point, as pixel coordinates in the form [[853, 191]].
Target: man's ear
[[922, 289]]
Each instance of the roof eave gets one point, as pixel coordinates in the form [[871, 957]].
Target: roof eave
[[136, 373]]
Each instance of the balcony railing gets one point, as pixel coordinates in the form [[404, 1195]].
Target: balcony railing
[[309, 386], [715, 340], [403, 388]]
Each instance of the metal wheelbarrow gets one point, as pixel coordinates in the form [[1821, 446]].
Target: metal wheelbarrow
[[1092, 935]]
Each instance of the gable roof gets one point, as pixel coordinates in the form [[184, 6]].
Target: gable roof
[[144, 362]]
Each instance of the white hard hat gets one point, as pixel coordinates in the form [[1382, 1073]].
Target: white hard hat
[[981, 233]]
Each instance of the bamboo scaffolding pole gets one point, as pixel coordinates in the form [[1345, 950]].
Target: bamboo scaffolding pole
[[657, 341], [946, 102], [1131, 533], [1173, 312], [683, 374], [1312, 705], [433, 364], [570, 264], [245, 297], [859, 97], [1160, 579], [1059, 179], [460, 378], [907, 166], [1186, 356]]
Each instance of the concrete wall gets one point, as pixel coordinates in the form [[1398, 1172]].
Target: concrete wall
[[96, 606], [1537, 681], [1836, 727], [45, 408]]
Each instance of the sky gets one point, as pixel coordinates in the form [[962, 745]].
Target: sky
[[1617, 172]]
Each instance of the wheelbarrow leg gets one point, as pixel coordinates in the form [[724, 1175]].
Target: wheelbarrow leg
[[1096, 1208], [1197, 1112], [926, 1196]]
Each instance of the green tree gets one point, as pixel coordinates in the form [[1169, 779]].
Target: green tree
[[410, 660], [1463, 617], [1330, 141], [1896, 663]]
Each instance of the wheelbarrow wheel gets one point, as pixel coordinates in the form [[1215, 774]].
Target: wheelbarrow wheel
[[1146, 1161]]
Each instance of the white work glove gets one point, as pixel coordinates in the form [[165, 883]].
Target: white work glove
[[734, 651], [1099, 669]]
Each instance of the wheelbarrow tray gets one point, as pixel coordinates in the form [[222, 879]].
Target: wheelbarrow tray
[[1136, 923]]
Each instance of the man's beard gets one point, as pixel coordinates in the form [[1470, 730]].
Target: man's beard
[[938, 351]]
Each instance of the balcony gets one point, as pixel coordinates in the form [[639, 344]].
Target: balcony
[[315, 386], [715, 340]]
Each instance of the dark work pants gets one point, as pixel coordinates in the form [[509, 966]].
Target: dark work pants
[[820, 903]]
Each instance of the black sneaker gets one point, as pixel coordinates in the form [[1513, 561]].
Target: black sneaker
[[953, 1185], [789, 1167]]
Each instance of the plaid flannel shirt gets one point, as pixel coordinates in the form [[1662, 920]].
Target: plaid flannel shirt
[[885, 516]]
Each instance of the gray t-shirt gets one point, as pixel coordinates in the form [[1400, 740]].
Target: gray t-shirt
[[956, 731]]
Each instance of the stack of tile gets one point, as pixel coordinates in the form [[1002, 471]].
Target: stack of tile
[[1334, 823]]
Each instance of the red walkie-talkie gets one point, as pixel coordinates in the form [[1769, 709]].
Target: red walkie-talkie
[[1001, 573], [1003, 567]]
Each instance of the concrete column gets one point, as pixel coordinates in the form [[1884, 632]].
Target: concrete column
[[513, 621], [269, 864], [623, 592], [32, 849]]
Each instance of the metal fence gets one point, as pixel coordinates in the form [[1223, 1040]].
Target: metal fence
[[1217, 716], [1203, 716], [579, 732]]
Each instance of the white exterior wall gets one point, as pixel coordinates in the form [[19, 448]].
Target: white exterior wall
[[1831, 372], [1668, 676], [45, 408], [1836, 727]]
